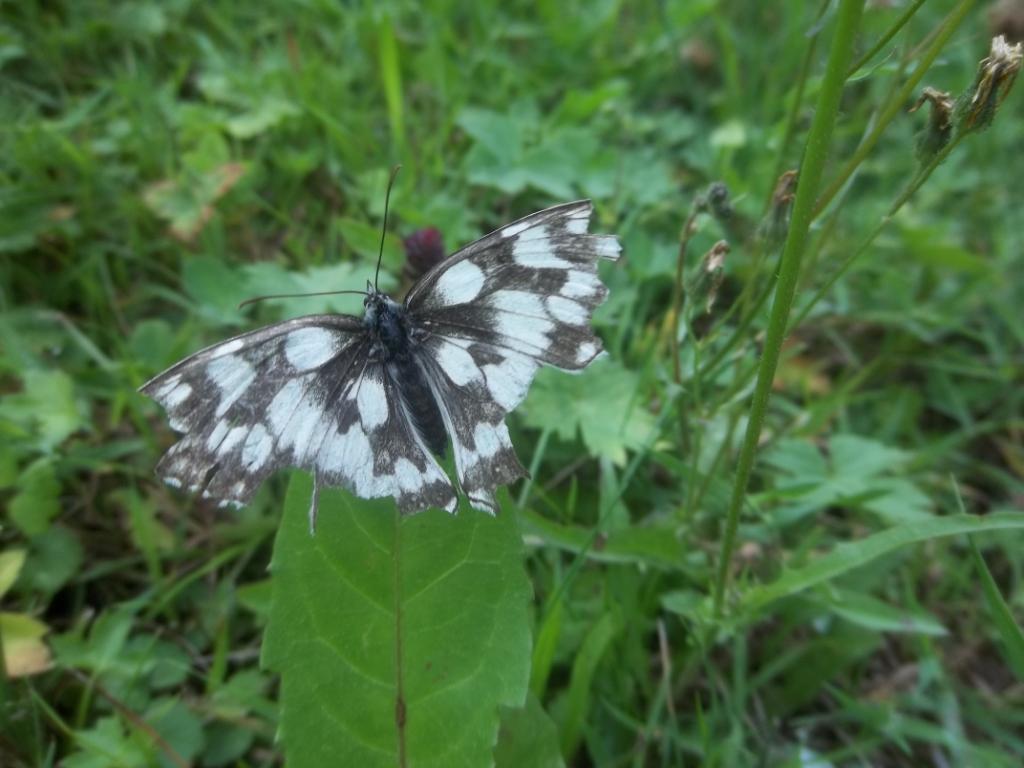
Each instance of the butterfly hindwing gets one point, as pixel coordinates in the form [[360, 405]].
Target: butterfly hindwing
[[460, 374], [375, 450]]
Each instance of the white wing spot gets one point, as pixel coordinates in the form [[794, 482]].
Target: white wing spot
[[586, 352], [178, 395], [489, 439], [458, 364], [580, 285], [229, 347], [533, 249], [217, 435], [257, 448], [283, 404], [346, 453], [302, 425], [232, 376], [514, 229], [524, 334], [460, 283], [372, 403], [518, 302], [577, 223], [607, 247], [408, 477], [234, 437], [167, 387], [566, 310], [508, 381], [309, 348]]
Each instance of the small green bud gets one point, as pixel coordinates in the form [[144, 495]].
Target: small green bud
[[936, 135]]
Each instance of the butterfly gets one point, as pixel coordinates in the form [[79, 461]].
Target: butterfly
[[370, 403]]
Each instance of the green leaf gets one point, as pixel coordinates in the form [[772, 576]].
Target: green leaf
[[364, 238], [268, 278], [226, 744], [856, 554], [55, 556], [180, 728], [10, 564], [871, 613], [186, 202], [855, 473], [1009, 631], [500, 134], [46, 407], [528, 737], [106, 746], [263, 116], [395, 636], [601, 403], [38, 499]]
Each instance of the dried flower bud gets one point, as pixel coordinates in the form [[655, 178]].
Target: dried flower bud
[[424, 249], [775, 224], [703, 288], [976, 107], [934, 136], [720, 203]]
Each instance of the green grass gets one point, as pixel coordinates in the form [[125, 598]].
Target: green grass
[[161, 162]]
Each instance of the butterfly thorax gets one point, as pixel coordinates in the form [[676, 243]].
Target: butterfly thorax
[[387, 324], [393, 341]]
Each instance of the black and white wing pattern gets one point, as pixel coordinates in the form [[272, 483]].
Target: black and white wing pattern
[[491, 314], [303, 393], [367, 404]]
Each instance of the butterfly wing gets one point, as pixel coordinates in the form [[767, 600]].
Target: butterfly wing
[[494, 312], [302, 393]]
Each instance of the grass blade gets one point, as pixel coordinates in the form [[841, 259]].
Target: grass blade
[[856, 554]]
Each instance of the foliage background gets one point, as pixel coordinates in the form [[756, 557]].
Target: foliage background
[[163, 161]]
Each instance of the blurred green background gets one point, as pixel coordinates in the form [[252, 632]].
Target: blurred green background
[[162, 161]]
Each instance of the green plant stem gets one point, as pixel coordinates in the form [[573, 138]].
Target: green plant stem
[[815, 154], [948, 27], [884, 39]]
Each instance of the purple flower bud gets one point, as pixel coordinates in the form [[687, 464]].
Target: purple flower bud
[[424, 249]]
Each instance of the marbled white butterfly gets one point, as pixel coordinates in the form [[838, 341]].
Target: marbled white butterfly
[[369, 403]]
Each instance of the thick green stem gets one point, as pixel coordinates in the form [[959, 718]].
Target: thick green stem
[[815, 154]]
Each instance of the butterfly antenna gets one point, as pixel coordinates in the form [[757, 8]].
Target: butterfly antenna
[[296, 296], [384, 229]]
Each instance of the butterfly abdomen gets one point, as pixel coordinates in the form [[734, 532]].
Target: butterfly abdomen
[[389, 324], [419, 401]]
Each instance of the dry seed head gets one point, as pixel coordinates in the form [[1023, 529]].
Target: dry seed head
[[976, 107]]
